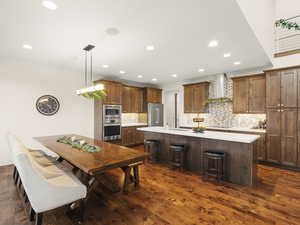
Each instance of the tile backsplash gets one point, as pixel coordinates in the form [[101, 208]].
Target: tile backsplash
[[220, 114], [134, 117]]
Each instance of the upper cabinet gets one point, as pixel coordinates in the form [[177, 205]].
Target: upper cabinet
[[282, 89], [241, 95], [249, 94], [113, 90], [153, 95], [257, 94], [132, 99], [195, 96]]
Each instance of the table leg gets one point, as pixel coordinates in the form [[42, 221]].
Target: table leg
[[77, 209]]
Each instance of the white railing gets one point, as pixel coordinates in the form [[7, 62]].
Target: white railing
[[287, 41]]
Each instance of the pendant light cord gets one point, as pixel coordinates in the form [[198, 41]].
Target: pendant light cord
[[91, 67], [85, 70]]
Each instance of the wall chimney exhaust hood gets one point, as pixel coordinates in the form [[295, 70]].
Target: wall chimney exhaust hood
[[219, 95], [219, 90]]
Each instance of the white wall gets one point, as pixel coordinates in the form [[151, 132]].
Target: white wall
[[260, 15], [287, 9], [20, 86]]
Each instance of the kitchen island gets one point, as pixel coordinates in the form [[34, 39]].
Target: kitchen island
[[240, 149]]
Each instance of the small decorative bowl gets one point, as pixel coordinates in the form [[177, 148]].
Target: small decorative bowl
[[198, 129]]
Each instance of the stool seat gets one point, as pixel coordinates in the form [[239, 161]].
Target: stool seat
[[215, 154], [151, 140]]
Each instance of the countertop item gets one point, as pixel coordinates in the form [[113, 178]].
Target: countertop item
[[215, 135], [134, 124], [237, 129]]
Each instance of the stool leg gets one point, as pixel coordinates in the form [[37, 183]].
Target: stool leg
[[205, 168], [127, 179], [218, 171], [136, 176], [181, 161]]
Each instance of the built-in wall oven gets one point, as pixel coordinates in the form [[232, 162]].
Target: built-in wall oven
[[112, 122]]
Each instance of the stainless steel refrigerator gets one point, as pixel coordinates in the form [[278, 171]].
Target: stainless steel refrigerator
[[155, 115]]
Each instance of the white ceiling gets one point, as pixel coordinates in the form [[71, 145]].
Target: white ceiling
[[180, 30]]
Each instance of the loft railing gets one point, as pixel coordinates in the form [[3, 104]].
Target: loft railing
[[287, 42]]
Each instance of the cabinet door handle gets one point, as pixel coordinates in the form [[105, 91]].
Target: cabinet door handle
[[278, 104], [278, 110]]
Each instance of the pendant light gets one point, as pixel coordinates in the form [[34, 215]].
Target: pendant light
[[94, 91]]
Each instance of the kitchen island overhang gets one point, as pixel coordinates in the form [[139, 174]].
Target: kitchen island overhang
[[241, 150]]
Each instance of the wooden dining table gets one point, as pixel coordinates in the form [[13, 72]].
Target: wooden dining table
[[92, 164]]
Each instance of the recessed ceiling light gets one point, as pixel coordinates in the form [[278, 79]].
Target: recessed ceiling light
[[150, 48], [213, 43], [122, 72], [26, 46], [226, 55], [154, 79], [201, 70], [140, 76], [49, 4], [105, 66], [237, 63], [174, 75]]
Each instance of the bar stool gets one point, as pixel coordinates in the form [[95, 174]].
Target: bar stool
[[177, 155], [152, 147], [214, 164]]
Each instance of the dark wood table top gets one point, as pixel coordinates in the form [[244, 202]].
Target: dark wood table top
[[111, 156]]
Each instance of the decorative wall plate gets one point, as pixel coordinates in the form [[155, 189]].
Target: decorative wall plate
[[47, 105]]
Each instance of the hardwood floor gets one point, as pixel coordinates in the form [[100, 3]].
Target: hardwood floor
[[174, 198]]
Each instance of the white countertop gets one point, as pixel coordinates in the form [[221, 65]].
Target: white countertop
[[134, 124], [261, 131], [216, 135], [237, 129]]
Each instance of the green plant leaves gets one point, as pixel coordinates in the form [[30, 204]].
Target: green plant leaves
[[287, 25], [94, 94], [217, 100]]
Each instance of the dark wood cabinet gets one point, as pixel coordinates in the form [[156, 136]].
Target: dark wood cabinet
[[273, 89], [282, 136], [289, 137], [132, 136], [273, 135], [195, 96], [153, 95], [249, 94], [257, 94], [188, 99], [289, 89], [113, 91], [261, 148], [132, 99], [126, 99], [282, 117], [241, 95], [282, 89]]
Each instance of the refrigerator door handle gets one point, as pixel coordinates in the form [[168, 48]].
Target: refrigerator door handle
[[157, 115]]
